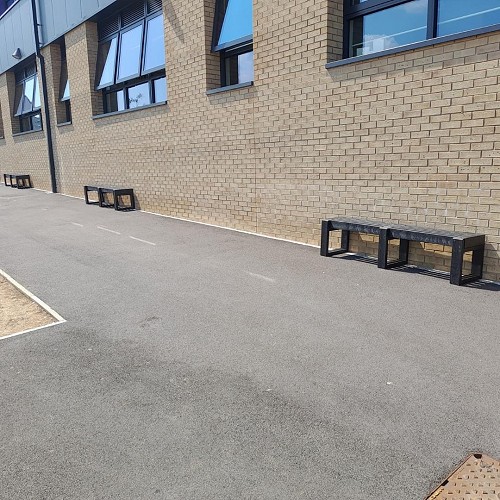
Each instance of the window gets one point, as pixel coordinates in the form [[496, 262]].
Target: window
[[131, 58], [27, 99], [233, 39], [455, 16], [64, 89], [375, 25]]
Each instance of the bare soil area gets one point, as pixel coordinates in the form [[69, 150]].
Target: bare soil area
[[18, 312]]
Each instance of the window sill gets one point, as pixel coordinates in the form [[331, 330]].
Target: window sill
[[125, 111], [27, 132], [412, 46], [228, 88], [64, 124]]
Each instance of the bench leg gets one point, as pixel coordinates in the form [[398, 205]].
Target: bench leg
[[100, 197], [115, 201], [383, 247], [86, 195], [404, 246], [132, 201], [11, 184], [383, 251], [325, 238], [477, 262], [457, 262], [5, 179]]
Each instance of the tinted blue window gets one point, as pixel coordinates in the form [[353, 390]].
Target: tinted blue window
[[389, 28], [130, 53], [160, 89], [107, 61], [29, 87], [237, 21], [36, 97], [455, 16], [245, 67], [66, 94], [154, 54], [138, 96]]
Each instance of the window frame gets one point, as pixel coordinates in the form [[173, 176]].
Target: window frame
[[118, 35], [119, 48], [220, 13], [28, 75], [227, 54], [145, 44], [124, 86], [370, 6], [230, 49]]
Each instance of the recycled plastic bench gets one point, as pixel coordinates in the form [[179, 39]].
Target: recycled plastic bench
[[19, 181], [116, 193], [460, 243]]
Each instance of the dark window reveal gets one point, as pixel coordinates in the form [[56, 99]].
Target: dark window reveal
[[131, 57]]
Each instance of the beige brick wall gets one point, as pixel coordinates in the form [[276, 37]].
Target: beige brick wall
[[21, 153], [411, 138]]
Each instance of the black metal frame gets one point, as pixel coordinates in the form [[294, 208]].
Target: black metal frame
[[22, 181], [353, 11], [459, 242], [117, 194], [142, 77]]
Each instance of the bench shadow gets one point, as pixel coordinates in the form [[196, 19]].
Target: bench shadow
[[442, 275]]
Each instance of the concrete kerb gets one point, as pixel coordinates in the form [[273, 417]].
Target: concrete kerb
[[59, 319]]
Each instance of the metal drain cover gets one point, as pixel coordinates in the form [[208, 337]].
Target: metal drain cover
[[478, 478]]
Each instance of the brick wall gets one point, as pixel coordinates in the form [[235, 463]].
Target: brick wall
[[411, 138]]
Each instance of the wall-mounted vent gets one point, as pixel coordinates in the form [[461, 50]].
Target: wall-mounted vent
[[109, 26], [133, 14], [153, 5]]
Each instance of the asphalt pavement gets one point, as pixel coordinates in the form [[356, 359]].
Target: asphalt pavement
[[202, 363]]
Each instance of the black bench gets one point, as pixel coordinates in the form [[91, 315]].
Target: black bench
[[116, 193], [459, 242], [86, 190], [19, 181]]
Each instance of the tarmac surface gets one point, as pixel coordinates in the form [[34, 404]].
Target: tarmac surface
[[203, 363]]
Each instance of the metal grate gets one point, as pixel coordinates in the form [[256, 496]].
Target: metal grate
[[153, 5], [478, 478], [109, 26], [133, 14]]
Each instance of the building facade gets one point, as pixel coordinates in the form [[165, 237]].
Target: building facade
[[265, 116]]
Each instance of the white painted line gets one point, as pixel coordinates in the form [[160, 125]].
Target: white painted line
[[59, 319], [143, 241], [77, 224], [108, 230], [31, 330], [230, 229], [261, 277]]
